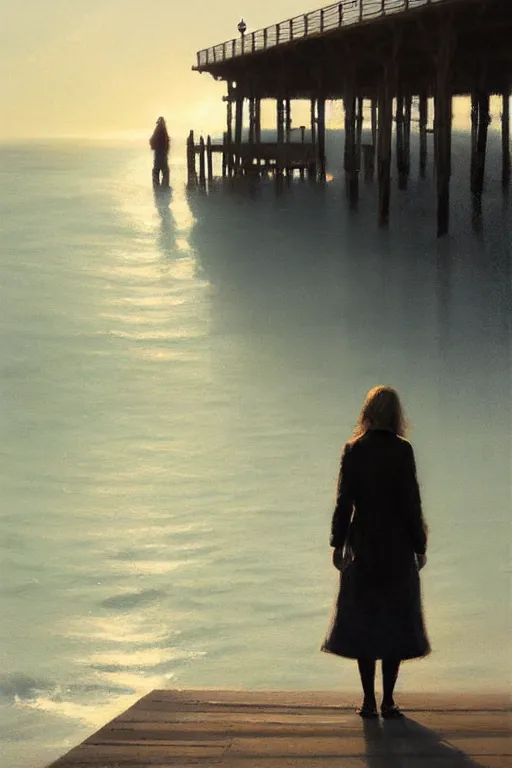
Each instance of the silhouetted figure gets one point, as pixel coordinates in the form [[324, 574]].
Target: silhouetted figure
[[160, 144], [379, 538]]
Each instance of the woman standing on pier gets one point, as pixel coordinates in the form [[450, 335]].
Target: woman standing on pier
[[379, 538]]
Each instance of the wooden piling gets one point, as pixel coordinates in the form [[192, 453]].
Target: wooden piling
[[257, 120], [384, 156], [257, 124], [359, 130], [313, 121], [288, 120], [321, 138], [229, 135], [303, 138], [374, 137], [350, 155], [483, 119], [402, 175], [403, 138], [288, 130], [312, 168], [474, 136], [202, 170], [209, 159], [280, 120], [224, 154], [280, 136], [239, 116], [407, 134], [505, 137], [191, 159], [252, 120], [423, 116], [443, 129]]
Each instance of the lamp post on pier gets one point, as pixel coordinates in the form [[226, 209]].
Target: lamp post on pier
[[242, 28]]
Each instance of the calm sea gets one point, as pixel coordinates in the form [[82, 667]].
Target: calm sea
[[177, 377]]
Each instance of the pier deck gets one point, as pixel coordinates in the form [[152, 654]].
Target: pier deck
[[333, 49], [299, 730]]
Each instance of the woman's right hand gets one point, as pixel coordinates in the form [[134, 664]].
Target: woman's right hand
[[337, 557], [422, 561]]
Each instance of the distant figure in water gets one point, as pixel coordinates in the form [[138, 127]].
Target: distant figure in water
[[160, 144], [379, 538]]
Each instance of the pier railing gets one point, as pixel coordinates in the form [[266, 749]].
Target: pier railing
[[329, 18]]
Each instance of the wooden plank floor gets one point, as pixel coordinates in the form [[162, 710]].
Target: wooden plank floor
[[236, 729]]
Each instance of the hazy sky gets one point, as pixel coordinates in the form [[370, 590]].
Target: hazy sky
[[109, 67], [92, 67]]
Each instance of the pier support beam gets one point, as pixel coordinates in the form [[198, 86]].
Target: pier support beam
[[402, 176], [407, 134], [280, 135], [191, 159], [423, 110], [313, 165], [252, 120], [288, 120], [229, 136], [359, 130], [257, 120], [384, 157], [313, 121], [321, 137], [224, 155], [239, 116], [280, 120], [474, 134], [209, 159], [480, 114], [505, 137], [374, 136], [350, 156], [403, 139], [202, 159], [443, 129], [288, 130]]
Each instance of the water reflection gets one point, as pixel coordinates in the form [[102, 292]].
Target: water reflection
[[166, 235]]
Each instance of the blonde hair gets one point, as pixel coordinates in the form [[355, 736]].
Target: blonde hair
[[381, 409]]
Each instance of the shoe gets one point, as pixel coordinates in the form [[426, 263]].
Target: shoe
[[368, 713], [390, 712]]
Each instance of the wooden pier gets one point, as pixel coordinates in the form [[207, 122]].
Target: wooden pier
[[299, 729], [254, 157], [382, 53]]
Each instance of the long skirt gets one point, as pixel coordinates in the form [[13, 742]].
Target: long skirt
[[378, 618]]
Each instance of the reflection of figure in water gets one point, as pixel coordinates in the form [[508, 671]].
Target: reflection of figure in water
[[160, 144], [379, 538], [163, 196]]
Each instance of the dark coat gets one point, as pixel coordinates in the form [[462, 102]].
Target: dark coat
[[159, 141], [378, 513]]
